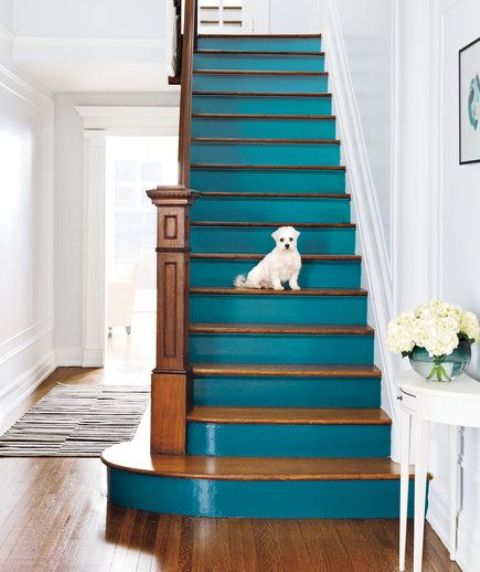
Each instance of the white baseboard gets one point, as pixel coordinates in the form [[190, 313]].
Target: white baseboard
[[468, 552], [93, 358], [69, 356], [27, 382], [76, 356]]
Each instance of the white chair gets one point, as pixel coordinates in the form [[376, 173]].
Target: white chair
[[121, 295]]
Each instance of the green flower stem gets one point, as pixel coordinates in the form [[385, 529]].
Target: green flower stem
[[438, 371]]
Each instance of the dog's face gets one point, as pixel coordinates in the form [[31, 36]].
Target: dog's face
[[286, 238]]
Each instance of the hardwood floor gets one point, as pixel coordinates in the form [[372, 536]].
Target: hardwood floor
[[54, 517]]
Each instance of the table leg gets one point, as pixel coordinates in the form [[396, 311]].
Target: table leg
[[421, 467], [404, 484], [454, 449]]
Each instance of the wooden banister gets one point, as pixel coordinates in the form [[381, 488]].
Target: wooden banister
[[172, 376]]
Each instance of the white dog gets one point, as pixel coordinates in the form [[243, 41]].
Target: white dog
[[282, 264]]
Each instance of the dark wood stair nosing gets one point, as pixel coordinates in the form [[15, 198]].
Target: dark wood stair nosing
[[266, 141], [286, 36], [287, 371], [226, 167], [279, 73], [286, 195], [306, 292], [281, 329], [220, 52], [288, 416], [242, 116], [261, 94], [136, 458], [240, 224], [253, 256]]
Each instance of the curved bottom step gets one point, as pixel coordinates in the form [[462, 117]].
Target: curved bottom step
[[252, 487]]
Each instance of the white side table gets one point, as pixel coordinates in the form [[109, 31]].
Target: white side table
[[456, 404]]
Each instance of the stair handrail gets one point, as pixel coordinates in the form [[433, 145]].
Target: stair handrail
[[172, 376]]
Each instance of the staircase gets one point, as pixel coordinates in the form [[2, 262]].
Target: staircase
[[286, 418]]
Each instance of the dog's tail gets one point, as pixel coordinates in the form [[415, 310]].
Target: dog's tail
[[240, 281]]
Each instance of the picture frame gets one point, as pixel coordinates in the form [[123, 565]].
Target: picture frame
[[469, 103]]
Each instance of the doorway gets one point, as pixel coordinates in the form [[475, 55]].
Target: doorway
[[133, 165]]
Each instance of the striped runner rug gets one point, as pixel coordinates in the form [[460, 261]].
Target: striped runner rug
[[77, 421]]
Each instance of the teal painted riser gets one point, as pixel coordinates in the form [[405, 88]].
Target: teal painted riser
[[286, 392], [260, 62], [288, 309], [330, 240], [263, 83], [314, 274], [279, 105], [257, 499], [307, 349], [268, 181], [264, 128], [265, 153], [271, 209], [263, 44], [329, 441]]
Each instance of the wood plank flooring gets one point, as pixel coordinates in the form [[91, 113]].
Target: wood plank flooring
[[54, 517]]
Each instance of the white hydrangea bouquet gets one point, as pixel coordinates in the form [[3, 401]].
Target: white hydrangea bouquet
[[436, 337]]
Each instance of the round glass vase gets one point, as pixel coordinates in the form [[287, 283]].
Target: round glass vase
[[443, 368]]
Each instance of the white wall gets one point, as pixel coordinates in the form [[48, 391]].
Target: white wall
[[459, 275], [6, 13], [69, 211], [69, 18], [26, 236], [304, 20], [367, 27]]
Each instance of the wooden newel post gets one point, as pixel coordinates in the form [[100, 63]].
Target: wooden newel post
[[171, 378]]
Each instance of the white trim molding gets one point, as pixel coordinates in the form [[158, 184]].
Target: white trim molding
[[364, 197], [98, 123], [25, 384]]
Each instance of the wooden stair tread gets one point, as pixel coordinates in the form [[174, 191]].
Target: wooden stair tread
[[261, 370], [260, 36], [257, 53], [270, 292], [138, 460], [269, 141], [273, 224], [248, 256], [288, 416], [261, 72], [224, 167], [262, 94], [334, 196], [262, 116], [213, 328]]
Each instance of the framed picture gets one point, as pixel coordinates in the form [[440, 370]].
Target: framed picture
[[469, 99]]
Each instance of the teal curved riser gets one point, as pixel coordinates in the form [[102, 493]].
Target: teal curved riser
[[271, 104], [271, 209], [251, 440], [272, 44], [264, 128], [262, 62], [268, 180], [314, 274], [320, 240], [286, 392], [302, 154], [256, 499], [260, 83], [274, 309], [295, 349]]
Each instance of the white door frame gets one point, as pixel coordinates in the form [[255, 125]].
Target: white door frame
[[98, 123]]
